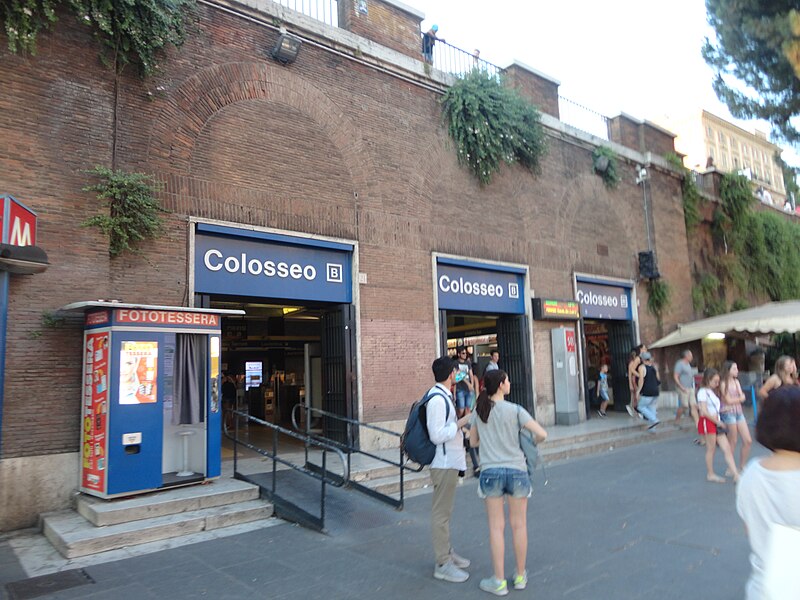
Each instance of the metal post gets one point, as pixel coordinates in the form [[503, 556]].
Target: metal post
[[274, 457], [402, 473], [4, 283], [322, 495], [235, 438]]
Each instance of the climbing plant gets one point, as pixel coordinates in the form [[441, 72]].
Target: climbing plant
[[23, 20], [689, 192], [491, 123], [133, 212], [129, 31], [604, 163], [659, 296], [760, 251]]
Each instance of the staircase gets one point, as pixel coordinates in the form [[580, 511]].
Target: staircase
[[103, 525], [557, 448]]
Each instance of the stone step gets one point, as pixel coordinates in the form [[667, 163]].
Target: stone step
[[74, 536], [612, 439], [605, 444], [167, 502], [620, 430]]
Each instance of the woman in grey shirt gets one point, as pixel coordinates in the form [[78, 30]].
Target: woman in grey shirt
[[496, 424]]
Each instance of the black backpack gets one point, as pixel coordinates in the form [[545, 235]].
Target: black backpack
[[415, 442]]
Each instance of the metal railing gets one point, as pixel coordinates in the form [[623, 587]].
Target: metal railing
[[284, 507], [350, 450], [583, 118], [452, 59], [459, 62], [326, 11]]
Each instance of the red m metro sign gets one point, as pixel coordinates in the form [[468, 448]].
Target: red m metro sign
[[17, 222]]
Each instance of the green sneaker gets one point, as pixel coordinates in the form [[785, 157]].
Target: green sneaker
[[521, 581], [494, 586]]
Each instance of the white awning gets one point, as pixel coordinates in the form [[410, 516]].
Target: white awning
[[774, 317]]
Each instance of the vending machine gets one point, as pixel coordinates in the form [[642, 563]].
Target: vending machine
[[151, 397], [565, 375]]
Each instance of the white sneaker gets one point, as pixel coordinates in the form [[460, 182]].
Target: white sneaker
[[459, 561], [629, 408], [449, 572]]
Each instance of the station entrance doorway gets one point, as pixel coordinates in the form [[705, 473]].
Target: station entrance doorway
[[295, 344], [608, 335], [482, 306]]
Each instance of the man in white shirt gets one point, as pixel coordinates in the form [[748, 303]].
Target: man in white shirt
[[444, 430]]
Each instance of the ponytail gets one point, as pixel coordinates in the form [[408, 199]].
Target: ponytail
[[491, 382]]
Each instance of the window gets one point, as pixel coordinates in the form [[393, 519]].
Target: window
[[709, 132], [735, 162], [721, 136], [725, 161]]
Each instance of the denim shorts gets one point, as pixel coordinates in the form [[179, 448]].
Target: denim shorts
[[732, 418], [499, 482], [462, 398]]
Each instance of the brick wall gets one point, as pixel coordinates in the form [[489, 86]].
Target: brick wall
[[324, 146], [540, 90], [389, 24]]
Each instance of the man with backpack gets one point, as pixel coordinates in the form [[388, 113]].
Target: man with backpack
[[444, 430]]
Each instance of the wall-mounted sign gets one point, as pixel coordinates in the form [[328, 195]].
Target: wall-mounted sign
[[556, 310], [599, 300], [17, 222], [479, 287], [249, 263]]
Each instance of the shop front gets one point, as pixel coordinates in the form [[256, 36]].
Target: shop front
[[296, 341], [485, 306], [608, 333]]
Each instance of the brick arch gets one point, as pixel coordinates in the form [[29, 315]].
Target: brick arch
[[196, 101]]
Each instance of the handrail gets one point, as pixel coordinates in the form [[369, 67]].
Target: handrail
[[402, 466], [457, 61], [283, 506]]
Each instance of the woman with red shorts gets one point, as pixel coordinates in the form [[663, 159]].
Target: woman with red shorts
[[710, 426]]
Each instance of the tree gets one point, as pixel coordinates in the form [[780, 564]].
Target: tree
[[756, 59]]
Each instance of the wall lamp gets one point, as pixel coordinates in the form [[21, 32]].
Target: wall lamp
[[286, 48], [23, 260]]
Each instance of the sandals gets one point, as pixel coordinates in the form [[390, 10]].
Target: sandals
[[715, 479], [698, 442]]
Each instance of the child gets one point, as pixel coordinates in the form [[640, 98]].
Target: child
[[602, 390]]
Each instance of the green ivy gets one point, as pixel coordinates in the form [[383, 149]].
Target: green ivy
[[659, 297], [609, 175], [689, 192], [23, 20], [491, 123], [129, 31], [707, 296], [133, 211], [761, 252]]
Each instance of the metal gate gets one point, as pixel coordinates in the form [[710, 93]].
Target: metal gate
[[620, 343], [338, 373], [513, 343]]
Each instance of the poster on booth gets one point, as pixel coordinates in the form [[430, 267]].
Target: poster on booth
[[138, 372], [94, 410]]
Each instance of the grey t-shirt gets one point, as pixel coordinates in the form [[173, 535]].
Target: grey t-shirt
[[499, 446], [685, 374]]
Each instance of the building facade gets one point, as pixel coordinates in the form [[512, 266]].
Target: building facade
[[263, 168], [711, 141]]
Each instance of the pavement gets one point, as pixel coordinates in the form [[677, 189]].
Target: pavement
[[635, 522]]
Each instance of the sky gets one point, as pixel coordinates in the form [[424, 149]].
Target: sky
[[640, 58]]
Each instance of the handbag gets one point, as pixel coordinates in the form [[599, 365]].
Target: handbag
[[529, 448]]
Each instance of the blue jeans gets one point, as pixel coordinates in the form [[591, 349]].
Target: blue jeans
[[648, 406]]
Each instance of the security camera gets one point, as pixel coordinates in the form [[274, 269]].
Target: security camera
[[642, 175]]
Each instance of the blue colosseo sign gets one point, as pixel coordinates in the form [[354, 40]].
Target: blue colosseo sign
[[472, 286], [240, 262], [604, 301]]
